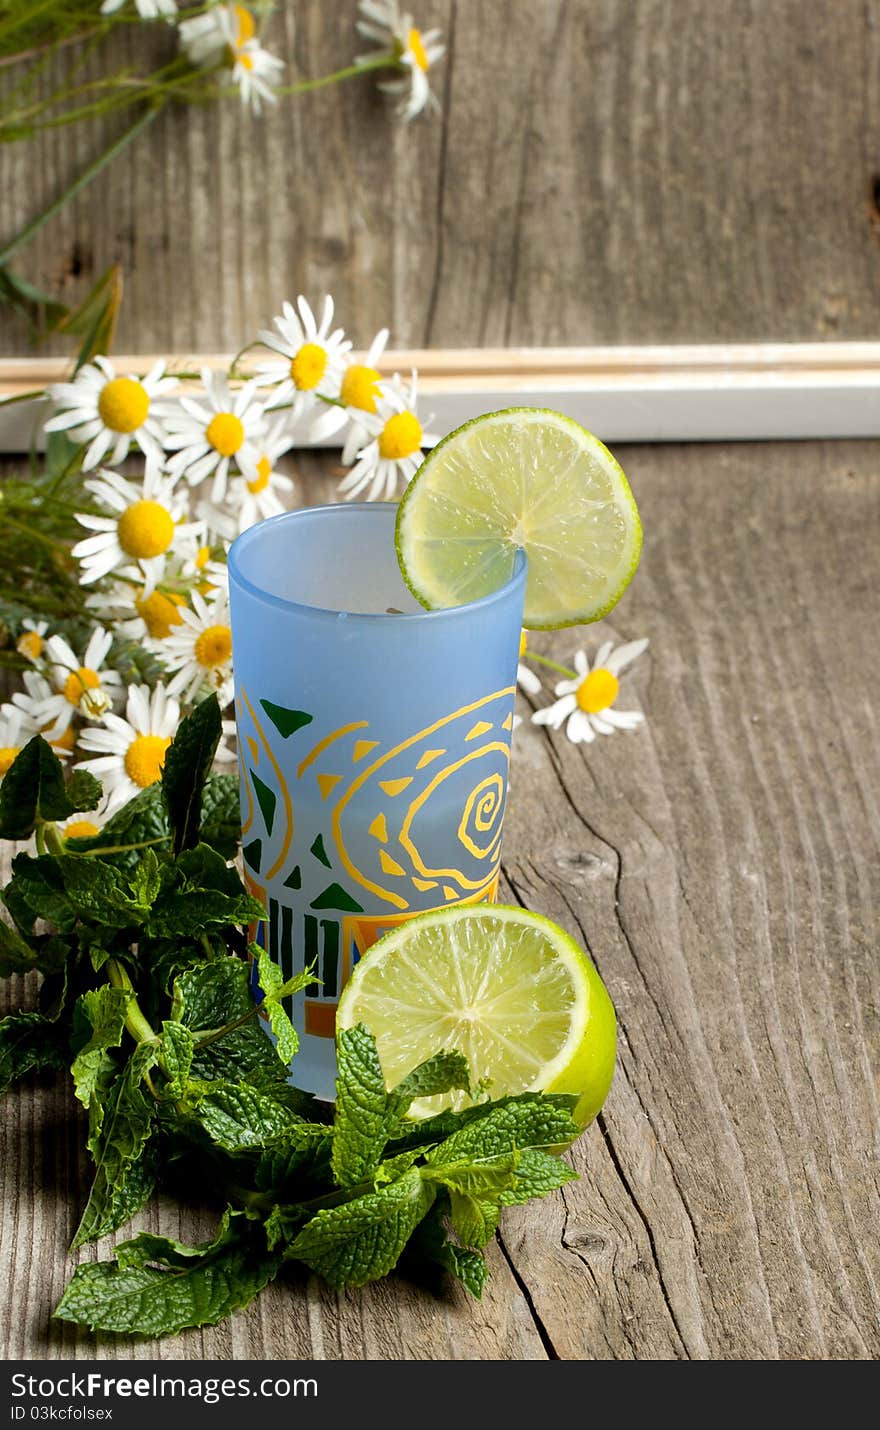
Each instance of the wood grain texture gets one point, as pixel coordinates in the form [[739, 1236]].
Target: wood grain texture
[[721, 865], [603, 171]]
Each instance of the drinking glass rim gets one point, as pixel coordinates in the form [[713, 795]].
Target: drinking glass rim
[[285, 604]]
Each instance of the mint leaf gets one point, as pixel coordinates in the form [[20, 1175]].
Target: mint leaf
[[124, 1175], [237, 1117], [98, 1022], [393, 1167], [189, 1286], [531, 1120], [29, 1042], [34, 789], [36, 891], [105, 895], [142, 820], [304, 1151], [360, 1128], [432, 1244], [475, 1218], [274, 988], [214, 994], [16, 954], [221, 815], [441, 1073], [187, 765], [487, 1178], [537, 1174], [200, 890], [177, 1056], [362, 1240]]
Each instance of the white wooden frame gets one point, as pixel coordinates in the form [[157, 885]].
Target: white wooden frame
[[625, 394]]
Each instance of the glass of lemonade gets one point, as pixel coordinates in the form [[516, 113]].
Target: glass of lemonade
[[373, 743]]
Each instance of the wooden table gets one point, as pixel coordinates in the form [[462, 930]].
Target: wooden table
[[721, 865]]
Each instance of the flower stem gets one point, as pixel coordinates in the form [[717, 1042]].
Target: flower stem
[[552, 665], [135, 1022], [306, 86], [85, 178], [123, 848]]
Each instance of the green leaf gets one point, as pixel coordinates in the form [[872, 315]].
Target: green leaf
[[391, 1168], [236, 1117], [39, 309], [201, 891], [475, 1219], [537, 1174], [29, 1042], [530, 1120], [124, 1175], [108, 896], [143, 819], [432, 1244], [362, 1240], [363, 1109], [273, 986], [34, 789], [215, 994], [187, 765], [98, 1022], [221, 815], [443, 1072], [36, 891], [487, 1178], [177, 1055], [304, 1151], [159, 1286], [16, 954]]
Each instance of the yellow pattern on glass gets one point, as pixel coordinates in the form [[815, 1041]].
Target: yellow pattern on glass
[[285, 793], [485, 803], [429, 757], [242, 769], [361, 748], [395, 787], [379, 828], [408, 843], [508, 723], [327, 784], [351, 868], [389, 865], [449, 892], [254, 749], [423, 885], [482, 727], [327, 741]]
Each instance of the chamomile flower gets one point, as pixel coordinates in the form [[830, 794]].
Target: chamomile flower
[[147, 9], [110, 412], [146, 528], [255, 71], [415, 50], [15, 731], [198, 652], [526, 679], [30, 702], [207, 434], [128, 754], [587, 701], [82, 687], [358, 392], [31, 641], [311, 357], [395, 450], [83, 826], [215, 36], [253, 499]]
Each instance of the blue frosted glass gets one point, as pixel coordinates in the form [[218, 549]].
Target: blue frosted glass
[[373, 747]]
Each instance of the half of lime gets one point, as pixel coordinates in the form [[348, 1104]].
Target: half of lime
[[508, 989], [522, 478]]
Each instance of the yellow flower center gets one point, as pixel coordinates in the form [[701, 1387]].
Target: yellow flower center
[[145, 529], [7, 755], [308, 366], [261, 480], [523, 644], [145, 757], [123, 404], [401, 436], [417, 50], [247, 25], [79, 682], [31, 645], [159, 613], [225, 433], [360, 387], [214, 646], [82, 829], [63, 741], [243, 59], [597, 691]]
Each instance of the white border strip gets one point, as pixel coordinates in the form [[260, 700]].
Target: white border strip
[[626, 394]]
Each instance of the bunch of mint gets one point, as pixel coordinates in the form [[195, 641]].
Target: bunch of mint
[[145, 995]]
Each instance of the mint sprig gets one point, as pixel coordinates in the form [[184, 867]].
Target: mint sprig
[[146, 996]]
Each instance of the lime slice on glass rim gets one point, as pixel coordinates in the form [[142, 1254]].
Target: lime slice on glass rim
[[525, 477], [508, 989]]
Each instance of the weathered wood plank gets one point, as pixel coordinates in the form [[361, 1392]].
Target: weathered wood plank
[[604, 171], [721, 865]]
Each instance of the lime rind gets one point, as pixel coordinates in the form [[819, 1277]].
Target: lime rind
[[494, 549]]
